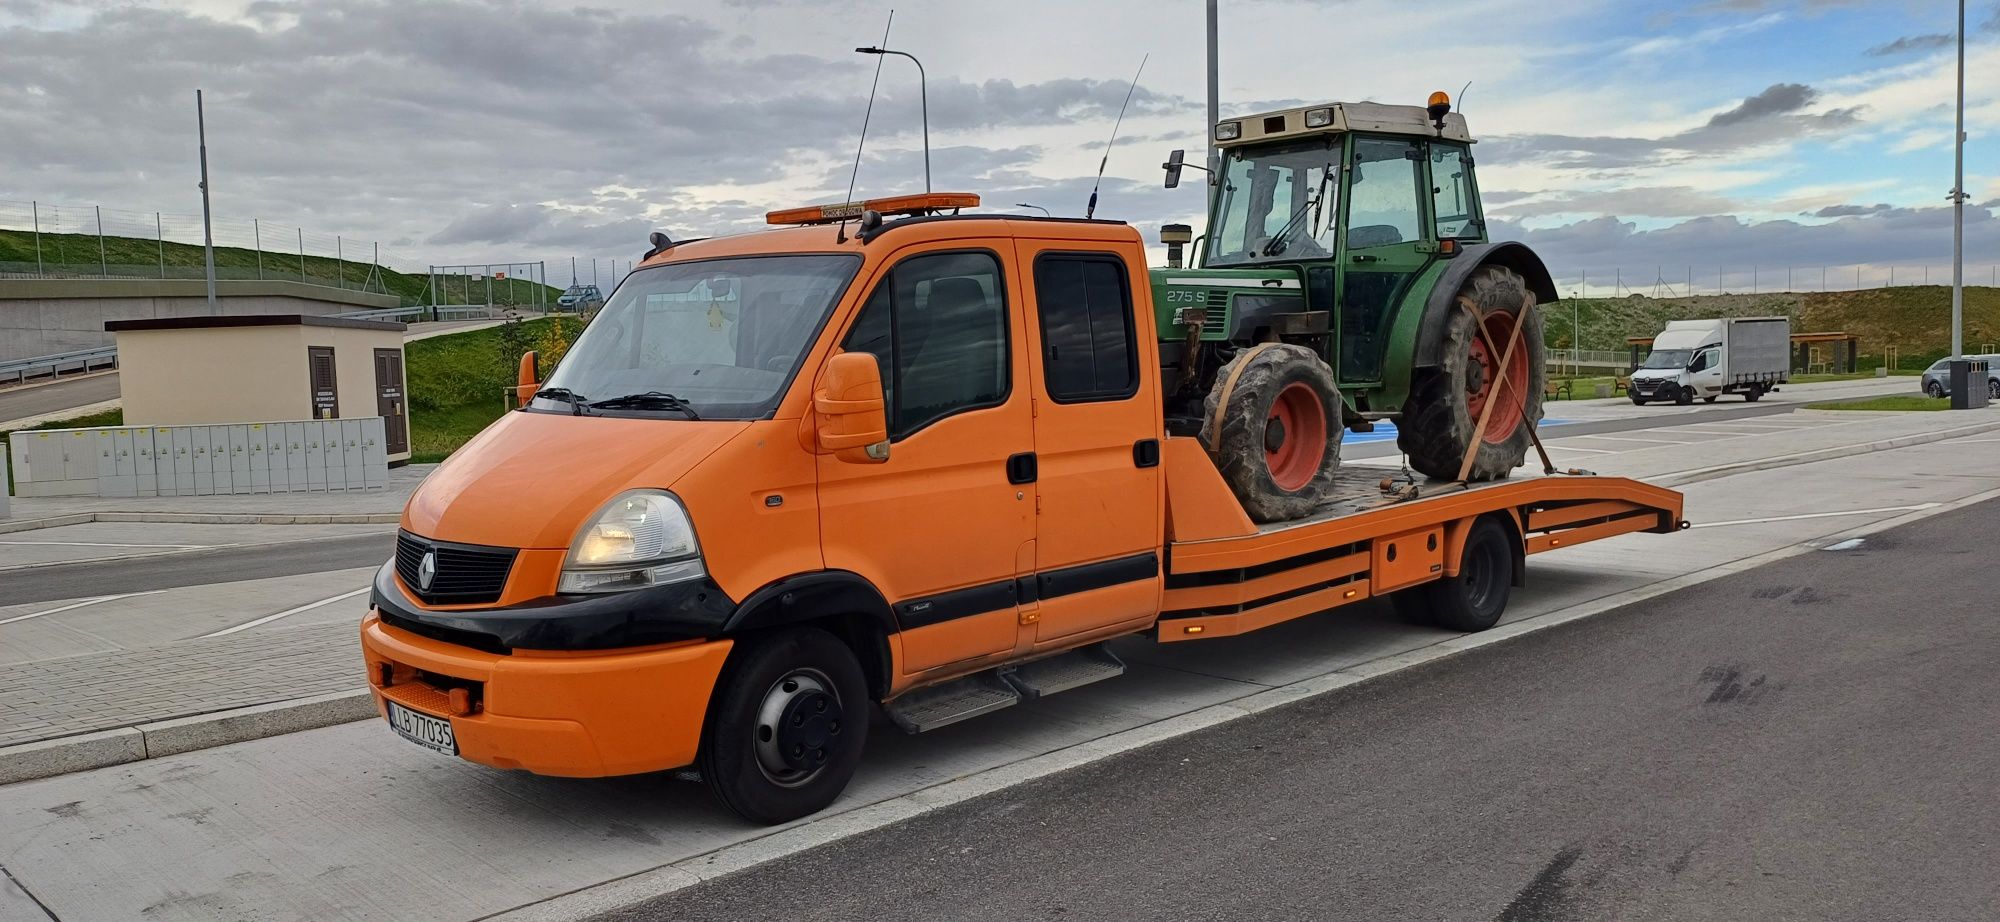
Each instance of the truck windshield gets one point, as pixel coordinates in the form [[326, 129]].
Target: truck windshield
[[722, 335], [1676, 359], [1278, 203]]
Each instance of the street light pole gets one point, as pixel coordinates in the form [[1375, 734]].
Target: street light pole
[[207, 233], [1044, 211], [1958, 205], [1214, 99], [923, 95]]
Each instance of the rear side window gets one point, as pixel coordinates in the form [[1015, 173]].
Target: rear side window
[[937, 326], [1085, 304]]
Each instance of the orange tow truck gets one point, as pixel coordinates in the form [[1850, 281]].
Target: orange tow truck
[[886, 456]]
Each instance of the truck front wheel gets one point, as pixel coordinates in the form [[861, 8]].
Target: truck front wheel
[[786, 726], [1272, 423], [1442, 420]]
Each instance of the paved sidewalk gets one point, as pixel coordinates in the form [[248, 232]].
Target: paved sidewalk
[[78, 695], [195, 509]]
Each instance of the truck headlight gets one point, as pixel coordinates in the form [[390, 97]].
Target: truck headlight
[[640, 539]]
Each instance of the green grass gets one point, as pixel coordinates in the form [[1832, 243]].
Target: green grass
[[138, 257], [457, 381], [1903, 402]]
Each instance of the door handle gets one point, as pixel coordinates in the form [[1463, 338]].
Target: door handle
[[1366, 258], [1021, 468], [1146, 453]]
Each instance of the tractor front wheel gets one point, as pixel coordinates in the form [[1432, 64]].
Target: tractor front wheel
[[1442, 422], [1272, 422]]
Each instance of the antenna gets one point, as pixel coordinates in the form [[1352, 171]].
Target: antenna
[[1091, 209], [865, 116], [1461, 95]]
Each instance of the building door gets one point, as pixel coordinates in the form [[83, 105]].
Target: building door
[[1097, 444], [325, 389], [389, 399], [945, 527]]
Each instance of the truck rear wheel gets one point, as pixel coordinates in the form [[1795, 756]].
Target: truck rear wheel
[[1272, 423], [786, 726], [1440, 419], [1475, 599]]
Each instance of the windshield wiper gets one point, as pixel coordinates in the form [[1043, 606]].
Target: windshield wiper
[[647, 399], [576, 401], [1277, 244]]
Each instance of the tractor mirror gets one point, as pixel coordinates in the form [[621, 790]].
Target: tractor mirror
[[1173, 167], [853, 422], [526, 379]]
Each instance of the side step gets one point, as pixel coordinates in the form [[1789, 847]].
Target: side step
[[983, 693]]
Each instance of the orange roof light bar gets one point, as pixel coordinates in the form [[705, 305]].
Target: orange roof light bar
[[893, 205]]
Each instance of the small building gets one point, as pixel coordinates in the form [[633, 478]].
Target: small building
[[264, 368]]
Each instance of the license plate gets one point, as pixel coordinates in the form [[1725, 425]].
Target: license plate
[[422, 729]]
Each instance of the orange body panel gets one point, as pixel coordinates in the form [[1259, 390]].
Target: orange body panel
[[1407, 559], [580, 716], [1199, 504], [1203, 627]]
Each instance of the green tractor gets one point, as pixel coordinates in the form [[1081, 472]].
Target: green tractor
[[1346, 277]]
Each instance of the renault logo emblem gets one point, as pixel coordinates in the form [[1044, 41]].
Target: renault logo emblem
[[427, 571]]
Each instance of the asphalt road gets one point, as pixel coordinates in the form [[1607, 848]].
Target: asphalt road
[[1710, 414], [21, 403], [1808, 740], [194, 568]]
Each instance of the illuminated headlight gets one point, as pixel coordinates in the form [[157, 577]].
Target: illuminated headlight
[[643, 538], [1319, 118], [1228, 131]]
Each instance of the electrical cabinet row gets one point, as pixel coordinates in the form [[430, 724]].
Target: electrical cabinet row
[[280, 457]]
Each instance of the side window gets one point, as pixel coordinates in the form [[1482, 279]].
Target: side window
[[1382, 204], [1451, 192], [1085, 302], [938, 327]]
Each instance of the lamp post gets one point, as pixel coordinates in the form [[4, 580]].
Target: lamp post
[[1044, 211], [923, 95], [1958, 205]]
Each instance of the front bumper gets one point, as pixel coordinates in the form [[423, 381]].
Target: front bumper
[[610, 621], [572, 714]]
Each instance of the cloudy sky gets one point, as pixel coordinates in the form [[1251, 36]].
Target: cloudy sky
[[1616, 135]]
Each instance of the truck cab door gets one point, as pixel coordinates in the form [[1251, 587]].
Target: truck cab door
[[945, 526], [1383, 244], [1705, 370], [1098, 427]]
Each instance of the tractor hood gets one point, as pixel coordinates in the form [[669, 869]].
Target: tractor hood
[[531, 479], [1234, 301]]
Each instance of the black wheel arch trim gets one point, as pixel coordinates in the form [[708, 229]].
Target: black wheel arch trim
[[811, 596], [1472, 258]]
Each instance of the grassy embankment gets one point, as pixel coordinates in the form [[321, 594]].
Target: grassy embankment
[[1901, 402], [137, 257]]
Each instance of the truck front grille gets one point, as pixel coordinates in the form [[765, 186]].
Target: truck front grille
[[466, 574]]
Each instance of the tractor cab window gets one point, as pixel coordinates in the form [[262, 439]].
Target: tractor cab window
[[1382, 205], [1451, 192], [1278, 203]]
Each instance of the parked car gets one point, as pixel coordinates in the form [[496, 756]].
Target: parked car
[[1937, 378], [580, 298]]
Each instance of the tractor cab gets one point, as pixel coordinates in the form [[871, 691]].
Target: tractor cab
[[1321, 218]]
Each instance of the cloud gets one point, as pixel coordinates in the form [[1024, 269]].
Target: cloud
[[1848, 211], [1777, 114], [1645, 201], [1927, 42]]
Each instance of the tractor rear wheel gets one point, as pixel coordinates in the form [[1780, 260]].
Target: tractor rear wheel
[[1441, 421], [1272, 423]]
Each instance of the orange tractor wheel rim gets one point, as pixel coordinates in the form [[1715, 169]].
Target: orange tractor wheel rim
[[1295, 437], [1487, 381]]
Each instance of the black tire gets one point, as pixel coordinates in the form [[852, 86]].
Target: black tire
[[804, 678], [1282, 381], [1685, 397], [1638, 401], [1933, 389], [1437, 426], [1475, 599], [1712, 399], [1993, 388], [1754, 393]]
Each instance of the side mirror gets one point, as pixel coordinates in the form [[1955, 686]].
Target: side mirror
[[526, 380], [1175, 161], [853, 422]]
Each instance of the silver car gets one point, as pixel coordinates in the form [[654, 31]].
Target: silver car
[[1937, 378]]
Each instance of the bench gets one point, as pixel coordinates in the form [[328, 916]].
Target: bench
[[1621, 384], [1557, 390]]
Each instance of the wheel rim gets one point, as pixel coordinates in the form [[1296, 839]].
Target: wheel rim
[[1483, 381], [798, 724], [1480, 575], [1295, 437]]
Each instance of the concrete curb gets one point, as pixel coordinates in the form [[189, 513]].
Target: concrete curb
[[629, 891], [59, 756], [208, 518]]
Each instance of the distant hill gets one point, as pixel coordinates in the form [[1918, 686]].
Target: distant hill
[[137, 257], [1915, 319]]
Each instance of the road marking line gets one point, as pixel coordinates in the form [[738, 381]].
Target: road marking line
[[267, 619], [1971, 441], [1594, 451], [1820, 515], [1726, 433], [1615, 438], [76, 605], [189, 547]]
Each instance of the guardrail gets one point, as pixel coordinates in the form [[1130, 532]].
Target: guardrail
[[423, 312], [20, 370]]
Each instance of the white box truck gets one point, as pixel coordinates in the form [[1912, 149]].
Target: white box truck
[[1750, 356]]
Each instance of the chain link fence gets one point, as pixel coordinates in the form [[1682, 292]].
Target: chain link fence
[[1687, 281]]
